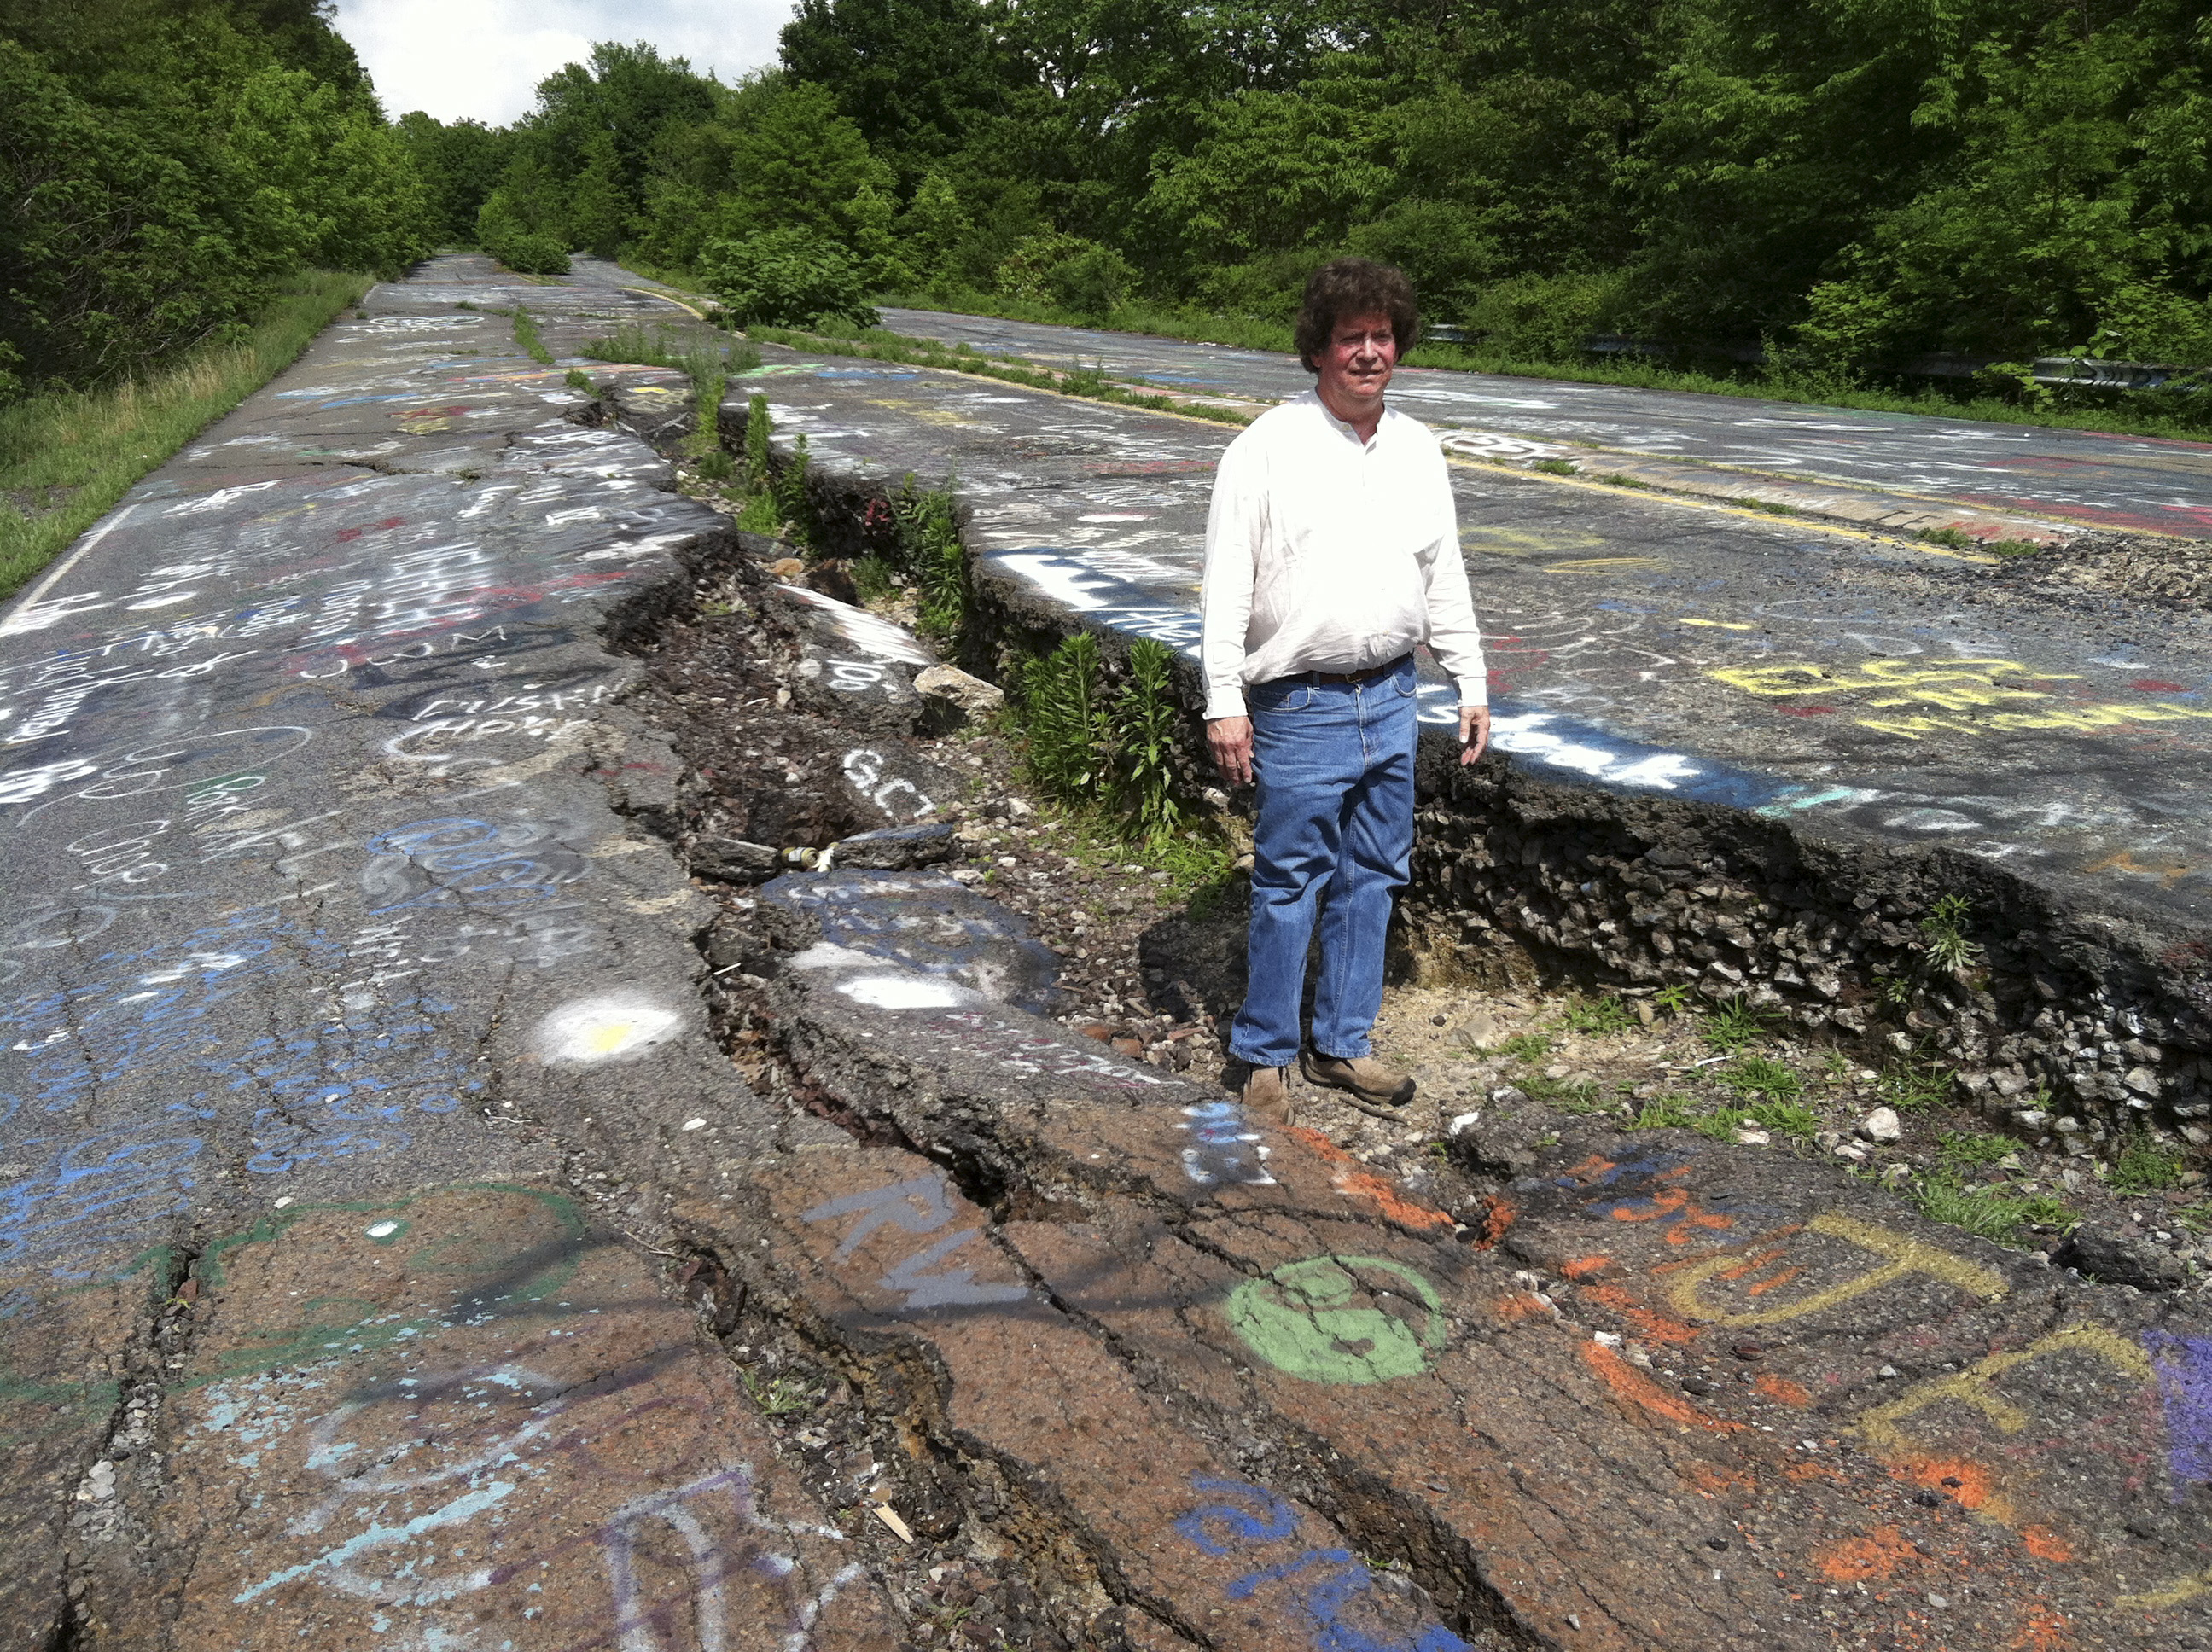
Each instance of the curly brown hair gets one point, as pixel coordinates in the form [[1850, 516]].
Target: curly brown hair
[[1345, 287]]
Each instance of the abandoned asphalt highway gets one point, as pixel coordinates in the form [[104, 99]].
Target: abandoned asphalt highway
[[383, 1226], [2084, 477]]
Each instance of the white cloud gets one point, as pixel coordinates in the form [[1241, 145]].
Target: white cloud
[[483, 58]]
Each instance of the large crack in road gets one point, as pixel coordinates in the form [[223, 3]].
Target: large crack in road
[[436, 1219]]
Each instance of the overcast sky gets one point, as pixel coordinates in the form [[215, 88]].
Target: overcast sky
[[485, 57]]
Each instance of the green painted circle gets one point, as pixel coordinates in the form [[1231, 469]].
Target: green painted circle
[[1302, 1320]]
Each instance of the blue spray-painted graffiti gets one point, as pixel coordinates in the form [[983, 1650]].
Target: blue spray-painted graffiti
[[2183, 1366], [1335, 1595], [1228, 1149], [337, 1084]]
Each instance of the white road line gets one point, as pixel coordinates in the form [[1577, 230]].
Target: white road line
[[30, 597]]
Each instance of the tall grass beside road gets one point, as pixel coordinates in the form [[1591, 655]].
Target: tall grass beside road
[[67, 457]]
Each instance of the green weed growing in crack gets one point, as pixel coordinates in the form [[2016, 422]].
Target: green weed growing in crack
[[1943, 942], [777, 1396], [1557, 467], [759, 427], [930, 554], [1914, 1082], [1733, 1024], [1526, 1047], [1672, 1002], [793, 504], [1995, 1214], [1061, 710], [1783, 1118], [1567, 1095], [526, 335], [577, 378], [1669, 1110], [1756, 1075], [1597, 1017], [1110, 756], [2142, 1166], [1949, 538], [1143, 722], [1970, 1149]]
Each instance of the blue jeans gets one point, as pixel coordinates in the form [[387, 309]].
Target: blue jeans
[[1334, 766]]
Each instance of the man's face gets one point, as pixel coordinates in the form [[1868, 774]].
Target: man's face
[[1357, 363]]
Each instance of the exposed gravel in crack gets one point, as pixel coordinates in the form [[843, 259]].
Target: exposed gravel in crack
[[2139, 567]]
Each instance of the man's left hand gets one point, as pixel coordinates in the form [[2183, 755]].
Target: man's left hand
[[1473, 732]]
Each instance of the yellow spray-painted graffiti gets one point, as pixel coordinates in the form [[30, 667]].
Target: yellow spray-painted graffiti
[[1953, 684], [1906, 1256], [1883, 1429], [1960, 686]]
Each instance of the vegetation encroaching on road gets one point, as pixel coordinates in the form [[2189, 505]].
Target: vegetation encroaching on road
[[66, 457], [1853, 189], [167, 168]]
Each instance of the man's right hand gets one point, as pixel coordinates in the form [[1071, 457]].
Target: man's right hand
[[1230, 739]]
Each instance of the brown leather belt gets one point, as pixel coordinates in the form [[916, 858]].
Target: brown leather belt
[[1367, 676]]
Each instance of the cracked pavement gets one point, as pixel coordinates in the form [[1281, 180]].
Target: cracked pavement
[[395, 1257]]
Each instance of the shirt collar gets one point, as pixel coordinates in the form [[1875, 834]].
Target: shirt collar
[[1340, 426]]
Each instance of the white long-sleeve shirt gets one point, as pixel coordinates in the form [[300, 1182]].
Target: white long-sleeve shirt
[[1324, 553]]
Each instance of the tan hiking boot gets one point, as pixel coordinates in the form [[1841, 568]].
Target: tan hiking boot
[[1372, 1087], [1266, 1096]]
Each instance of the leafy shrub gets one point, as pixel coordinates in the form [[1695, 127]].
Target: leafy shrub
[[1543, 318], [504, 234], [1078, 275], [785, 277], [1092, 284]]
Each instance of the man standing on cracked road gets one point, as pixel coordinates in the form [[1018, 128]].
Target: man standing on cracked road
[[1332, 551]]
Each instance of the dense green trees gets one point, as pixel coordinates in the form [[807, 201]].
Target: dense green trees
[[1854, 183], [163, 162]]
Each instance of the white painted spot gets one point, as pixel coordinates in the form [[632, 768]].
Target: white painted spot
[[169, 601], [608, 1027], [828, 955], [383, 1230], [901, 993], [1116, 516], [282, 1202], [694, 1124]]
